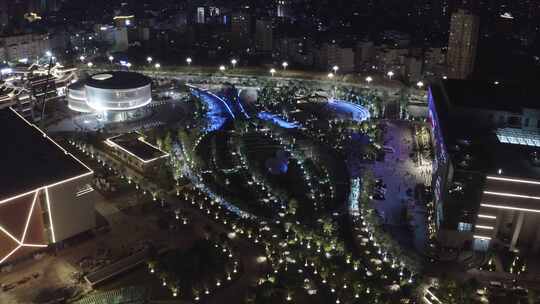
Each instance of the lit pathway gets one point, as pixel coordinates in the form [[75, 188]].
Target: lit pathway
[[399, 173]]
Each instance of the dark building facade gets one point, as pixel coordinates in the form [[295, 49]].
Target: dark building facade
[[486, 170]]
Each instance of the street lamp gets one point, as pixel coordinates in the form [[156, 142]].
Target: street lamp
[[285, 64], [157, 66], [335, 69], [111, 58], [222, 68], [90, 64], [128, 65], [330, 75], [234, 62], [272, 71], [189, 60], [149, 59], [82, 58], [48, 53], [369, 80], [390, 74], [420, 84]]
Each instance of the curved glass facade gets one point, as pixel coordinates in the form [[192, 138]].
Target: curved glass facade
[[111, 99], [77, 100]]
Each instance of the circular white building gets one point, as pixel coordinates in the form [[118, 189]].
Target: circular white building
[[76, 98], [118, 91], [115, 96]]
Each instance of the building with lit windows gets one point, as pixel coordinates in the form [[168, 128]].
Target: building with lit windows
[[45, 196], [264, 35], [15, 47], [332, 54], [281, 8], [201, 16], [124, 20], [462, 44], [240, 29], [113, 96], [486, 169]]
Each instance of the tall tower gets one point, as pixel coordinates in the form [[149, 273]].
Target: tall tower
[[240, 30], [462, 44], [201, 16], [264, 35], [280, 8]]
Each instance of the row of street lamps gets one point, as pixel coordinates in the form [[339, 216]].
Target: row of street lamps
[[273, 71], [149, 59]]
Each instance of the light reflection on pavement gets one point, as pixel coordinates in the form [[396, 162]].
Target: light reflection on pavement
[[399, 173]]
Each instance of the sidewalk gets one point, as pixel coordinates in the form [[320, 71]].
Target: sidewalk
[[400, 173]]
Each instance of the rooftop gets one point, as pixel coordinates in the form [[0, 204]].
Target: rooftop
[[30, 159], [77, 85], [135, 145], [491, 95], [119, 80], [478, 147]]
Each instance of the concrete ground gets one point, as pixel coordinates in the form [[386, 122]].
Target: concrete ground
[[399, 172], [127, 229]]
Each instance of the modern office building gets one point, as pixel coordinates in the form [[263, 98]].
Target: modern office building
[[486, 171], [45, 194], [462, 44], [114, 96]]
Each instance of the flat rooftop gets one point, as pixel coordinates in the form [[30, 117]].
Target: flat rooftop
[[118, 80], [29, 159], [489, 95], [135, 145], [474, 147]]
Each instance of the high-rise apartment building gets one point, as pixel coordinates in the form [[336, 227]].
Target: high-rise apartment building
[[280, 8], [264, 36], [240, 30], [201, 15], [462, 44]]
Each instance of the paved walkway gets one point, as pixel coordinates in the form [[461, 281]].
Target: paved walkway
[[399, 172], [247, 251]]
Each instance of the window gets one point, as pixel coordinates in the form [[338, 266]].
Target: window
[[480, 244], [514, 121], [464, 226]]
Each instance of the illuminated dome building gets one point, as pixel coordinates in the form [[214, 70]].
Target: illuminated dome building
[[114, 96]]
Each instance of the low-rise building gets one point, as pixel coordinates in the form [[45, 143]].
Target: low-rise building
[[45, 196], [135, 151]]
